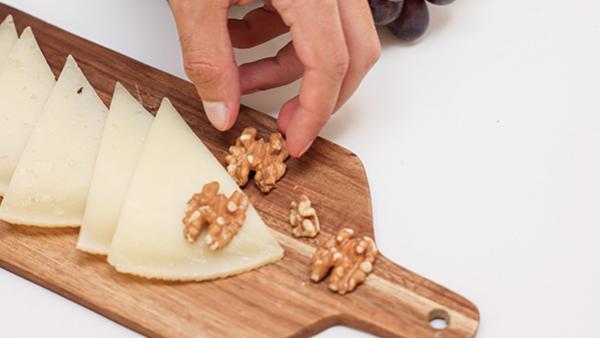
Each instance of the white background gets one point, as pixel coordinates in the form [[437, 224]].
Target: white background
[[481, 143]]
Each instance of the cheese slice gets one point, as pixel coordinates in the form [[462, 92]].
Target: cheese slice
[[8, 37], [51, 182], [149, 241], [126, 128], [25, 83]]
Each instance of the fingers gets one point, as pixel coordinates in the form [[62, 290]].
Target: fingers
[[320, 45], [363, 44], [271, 72], [208, 57], [257, 26]]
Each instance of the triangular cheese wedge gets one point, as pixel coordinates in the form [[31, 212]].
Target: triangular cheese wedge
[[51, 182], [8, 37], [126, 128], [149, 241], [25, 83]]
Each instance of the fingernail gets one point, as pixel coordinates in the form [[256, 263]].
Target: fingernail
[[217, 113]]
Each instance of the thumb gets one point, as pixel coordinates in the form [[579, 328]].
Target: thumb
[[208, 57]]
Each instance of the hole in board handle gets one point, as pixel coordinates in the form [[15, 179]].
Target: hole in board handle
[[439, 319]]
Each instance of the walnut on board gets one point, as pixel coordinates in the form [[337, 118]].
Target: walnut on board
[[265, 158], [347, 260], [304, 218]]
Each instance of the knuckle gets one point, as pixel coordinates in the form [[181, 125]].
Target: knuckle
[[322, 118], [339, 65], [202, 72], [372, 54]]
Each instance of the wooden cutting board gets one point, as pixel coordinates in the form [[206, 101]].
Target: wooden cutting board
[[275, 301]]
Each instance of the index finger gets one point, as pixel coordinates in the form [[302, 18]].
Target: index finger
[[208, 57], [318, 39]]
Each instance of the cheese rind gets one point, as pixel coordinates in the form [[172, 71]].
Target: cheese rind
[[124, 134], [149, 241], [8, 37], [51, 182], [25, 83]]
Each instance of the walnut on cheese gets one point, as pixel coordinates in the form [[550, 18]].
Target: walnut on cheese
[[303, 218], [351, 259], [264, 158], [224, 216], [173, 165]]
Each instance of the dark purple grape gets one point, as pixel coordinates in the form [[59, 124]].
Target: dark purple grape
[[441, 2], [385, 11], [412, 22]]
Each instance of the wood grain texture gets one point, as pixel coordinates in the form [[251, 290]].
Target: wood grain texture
[[275, 301]]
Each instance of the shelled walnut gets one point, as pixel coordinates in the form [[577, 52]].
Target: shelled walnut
[[224, 216], [266, 159], [303, 218], [349, 259]]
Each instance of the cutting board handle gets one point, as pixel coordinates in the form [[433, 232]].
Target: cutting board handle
[[394, 302]]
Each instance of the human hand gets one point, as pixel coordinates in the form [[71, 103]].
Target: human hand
[[334, 44]]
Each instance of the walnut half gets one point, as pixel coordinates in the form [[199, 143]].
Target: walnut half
[[303, 218], [266, 159], [349, 259], [224, 216]]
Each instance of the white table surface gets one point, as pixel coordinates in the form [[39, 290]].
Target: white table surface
[[481, 144]]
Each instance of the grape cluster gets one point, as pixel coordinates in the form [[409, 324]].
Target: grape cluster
[[406, 19]]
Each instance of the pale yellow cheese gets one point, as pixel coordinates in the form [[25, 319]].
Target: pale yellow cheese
[[8, 37], [149, 242], [51, 182], [126, 128], [25, 83]]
